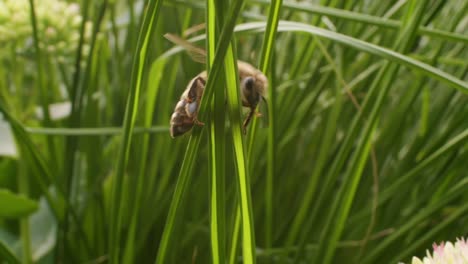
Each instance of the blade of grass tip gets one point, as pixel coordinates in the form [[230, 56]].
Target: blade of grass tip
[[214, 18], [248, 235], [265, 62], [194, 141], [116, 214]]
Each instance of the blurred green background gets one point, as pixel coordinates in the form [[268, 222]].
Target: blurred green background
[[360, 159]]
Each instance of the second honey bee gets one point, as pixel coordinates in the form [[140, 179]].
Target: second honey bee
[[253, 88]]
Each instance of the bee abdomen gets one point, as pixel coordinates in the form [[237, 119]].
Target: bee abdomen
[[180, 121]]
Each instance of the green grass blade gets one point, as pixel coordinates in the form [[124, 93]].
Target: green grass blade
[[194, 142], [265, 63], [248, 235], [388, 54], [149, 22], [215, 14], [43, 177], [152, 92], [367, 47], [235, 236], [93, 131], [366, 19], [299, 224]]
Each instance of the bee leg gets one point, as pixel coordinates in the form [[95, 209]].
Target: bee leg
[[247, 120], [244, 130], [198, 122]]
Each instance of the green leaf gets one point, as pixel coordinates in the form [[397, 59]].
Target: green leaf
[[14, 205]]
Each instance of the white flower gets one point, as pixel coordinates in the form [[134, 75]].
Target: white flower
[[446, 253], [58, 24]]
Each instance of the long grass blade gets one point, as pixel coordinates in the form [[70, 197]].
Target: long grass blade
[[265, 64], [194, 142], [248, 231], [365, 47], [215, 15], [116, 215]]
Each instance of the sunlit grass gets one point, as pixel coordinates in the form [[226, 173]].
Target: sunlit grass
[[362, 161]]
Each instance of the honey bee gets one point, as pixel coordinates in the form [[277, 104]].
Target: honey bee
[[186, 111], [253, 88]]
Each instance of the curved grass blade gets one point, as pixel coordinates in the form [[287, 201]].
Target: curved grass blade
[[424, 68], [367, 19], [348, 15], [388, 54]]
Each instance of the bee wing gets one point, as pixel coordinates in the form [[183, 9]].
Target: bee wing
[[196, 53], [194, 29]]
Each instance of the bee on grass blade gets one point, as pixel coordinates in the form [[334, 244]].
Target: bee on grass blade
[[186, 111], [253, 87]]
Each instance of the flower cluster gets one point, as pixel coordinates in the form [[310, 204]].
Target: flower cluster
[[58, 25], [446, 253]]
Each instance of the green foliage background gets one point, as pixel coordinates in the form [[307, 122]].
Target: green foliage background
[[363, 159]]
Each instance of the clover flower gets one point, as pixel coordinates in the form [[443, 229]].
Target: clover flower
[[58, 24], [446, 253]]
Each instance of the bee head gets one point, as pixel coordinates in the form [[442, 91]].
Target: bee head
[[257, 84], [248, 83]]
